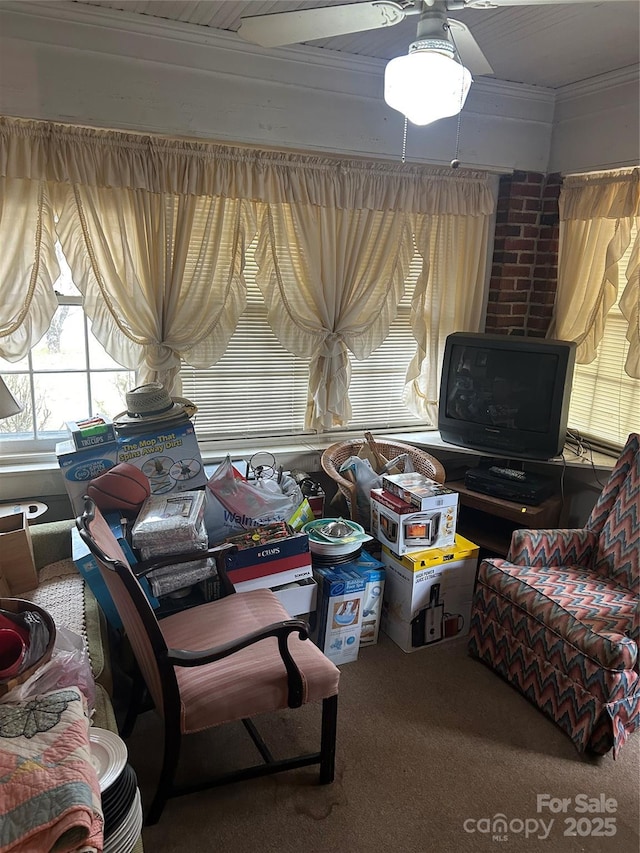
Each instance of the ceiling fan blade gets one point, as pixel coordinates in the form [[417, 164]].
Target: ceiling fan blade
[[491, 4], [282, 28], [470, 54]]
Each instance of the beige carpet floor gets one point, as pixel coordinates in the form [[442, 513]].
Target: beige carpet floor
[[432, 746]]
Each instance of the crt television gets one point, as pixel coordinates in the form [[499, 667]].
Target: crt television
[[506, 394]]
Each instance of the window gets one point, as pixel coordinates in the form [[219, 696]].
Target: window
[[257, 389], [67, 376], [605, 401]]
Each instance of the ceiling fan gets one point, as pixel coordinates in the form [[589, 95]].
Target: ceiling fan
[[432, 81]]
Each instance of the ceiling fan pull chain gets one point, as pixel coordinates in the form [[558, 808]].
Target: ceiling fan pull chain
[[455, 163], [404, 140]]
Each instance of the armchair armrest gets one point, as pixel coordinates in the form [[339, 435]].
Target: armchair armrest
[[281, 630], [570, 547], [217, 552]]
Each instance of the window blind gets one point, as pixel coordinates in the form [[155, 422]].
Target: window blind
[[258, 389], [605, 402]]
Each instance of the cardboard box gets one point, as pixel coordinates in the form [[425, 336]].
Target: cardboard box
[[255, 567], [405, 533], [79, 467], [171, 460], [288, 570], [17, 568], [338, 619], [299, 597], [428, 595], [374, 575], [416, 489], [86, 564], [91, 432]]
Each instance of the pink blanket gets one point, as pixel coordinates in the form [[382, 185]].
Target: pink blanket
[[49, 789]]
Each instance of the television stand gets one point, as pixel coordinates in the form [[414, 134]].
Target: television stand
[[489, 521]]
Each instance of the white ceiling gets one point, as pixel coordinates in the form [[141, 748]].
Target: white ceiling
[[541, 45]]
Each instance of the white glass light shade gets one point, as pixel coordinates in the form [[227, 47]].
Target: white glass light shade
[[426, 85]]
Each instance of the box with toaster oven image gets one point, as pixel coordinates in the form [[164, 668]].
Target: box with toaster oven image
[[428, 594], [405, 529]]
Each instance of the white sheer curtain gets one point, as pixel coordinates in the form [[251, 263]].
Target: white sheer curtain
[[332, 266], [597, 212], [161, 274], [332, 279], [449, 297], [154, 230], [28, 265], [154, 243]]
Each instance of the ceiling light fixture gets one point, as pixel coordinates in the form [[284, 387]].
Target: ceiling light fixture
[[427, 84]]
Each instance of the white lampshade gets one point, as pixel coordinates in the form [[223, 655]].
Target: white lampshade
[[426, 85], [8, 405]]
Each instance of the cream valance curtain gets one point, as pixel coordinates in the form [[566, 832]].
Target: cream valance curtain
[[28, 265], [331, 280], [155, 229], [597, 213], [449, 297]]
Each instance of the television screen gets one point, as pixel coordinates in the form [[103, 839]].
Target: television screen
[[506, 393]]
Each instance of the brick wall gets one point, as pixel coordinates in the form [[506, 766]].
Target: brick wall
[[525, 259]]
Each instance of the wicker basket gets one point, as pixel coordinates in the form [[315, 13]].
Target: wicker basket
[[19, 605], [336, 454]]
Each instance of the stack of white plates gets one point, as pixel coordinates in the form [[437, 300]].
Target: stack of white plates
[[121, 803], [323, 545]]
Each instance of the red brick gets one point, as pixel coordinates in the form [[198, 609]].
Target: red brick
[[533, 204], [519, 244], [526, 258], [515, 270], [525, 191], [524, 218], [512, 296]]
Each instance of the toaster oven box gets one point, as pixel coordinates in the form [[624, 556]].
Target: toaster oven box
[[416, 489], [409, 532], [428, 595]]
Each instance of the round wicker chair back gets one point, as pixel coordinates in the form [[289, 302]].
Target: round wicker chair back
[[337, 453]]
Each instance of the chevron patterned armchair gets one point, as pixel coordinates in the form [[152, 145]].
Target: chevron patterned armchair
[[559, 618]]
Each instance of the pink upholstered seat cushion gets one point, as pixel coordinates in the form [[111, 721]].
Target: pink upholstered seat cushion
[[251, 681]]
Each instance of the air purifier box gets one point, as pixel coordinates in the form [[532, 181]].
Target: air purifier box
[[373, 572], [428, 595], [410, 532], [338, 619]]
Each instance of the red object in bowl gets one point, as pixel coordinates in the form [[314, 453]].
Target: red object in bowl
[[12, 651]]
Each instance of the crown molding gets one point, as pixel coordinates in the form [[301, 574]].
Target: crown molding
[[602, 83], [101, 18]]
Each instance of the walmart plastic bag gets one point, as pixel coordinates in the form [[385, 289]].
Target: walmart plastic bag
[[251, 504]]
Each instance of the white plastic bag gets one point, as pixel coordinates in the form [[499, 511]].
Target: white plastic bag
[[249, 505], [366, 478], [68, 666]]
